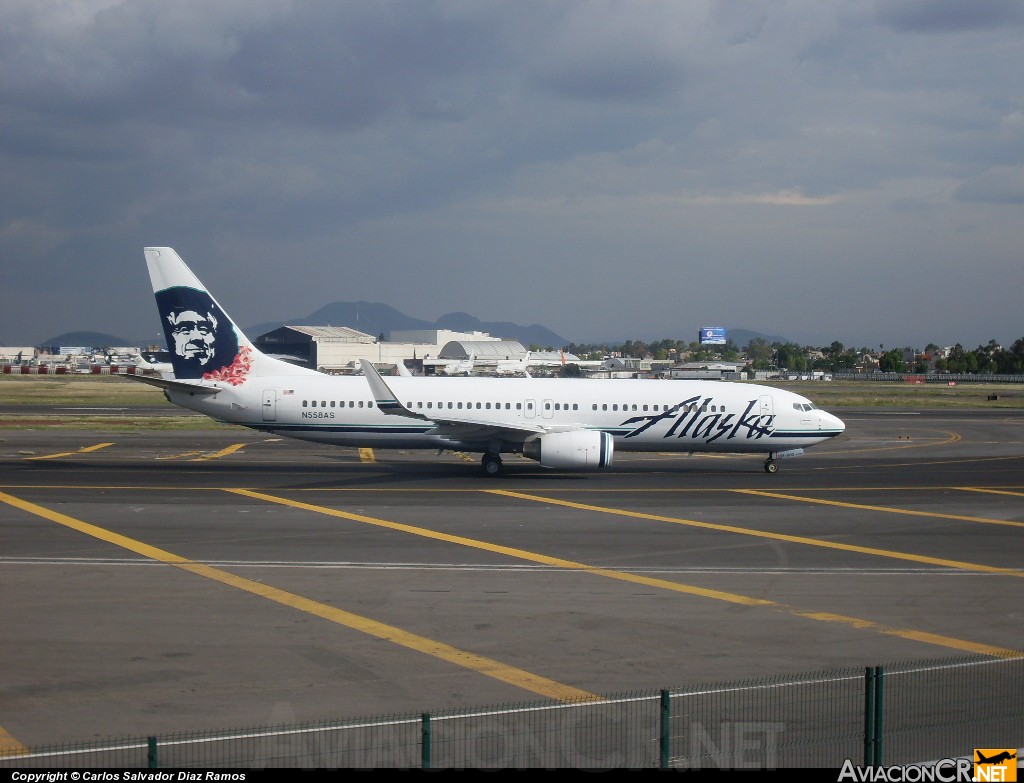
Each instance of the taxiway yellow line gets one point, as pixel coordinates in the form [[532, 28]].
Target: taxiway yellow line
[[367, 455], [83, 450], [885, 509], [987, 491], [743, 531], [10, 746], [735, 598], [222, 453], [467, 660]]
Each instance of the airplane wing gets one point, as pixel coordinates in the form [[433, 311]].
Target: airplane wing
[[450, 425]]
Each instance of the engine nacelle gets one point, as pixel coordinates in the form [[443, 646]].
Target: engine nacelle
[[578, 450]]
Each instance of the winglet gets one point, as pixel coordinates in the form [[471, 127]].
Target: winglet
[[387, 401]]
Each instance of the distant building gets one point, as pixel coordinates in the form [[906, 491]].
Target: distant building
[[726, 371], [339, 349]]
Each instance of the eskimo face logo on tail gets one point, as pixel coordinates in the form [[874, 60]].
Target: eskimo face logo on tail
[[201, 338]]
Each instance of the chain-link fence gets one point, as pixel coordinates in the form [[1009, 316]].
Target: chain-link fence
[[912, 713]]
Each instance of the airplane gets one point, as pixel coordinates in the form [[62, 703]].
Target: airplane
[[463, 367], [572, 424], [999, 758], [154, 361], [514, 366]]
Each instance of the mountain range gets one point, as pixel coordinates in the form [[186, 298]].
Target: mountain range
[[370, 318], [375, 319]]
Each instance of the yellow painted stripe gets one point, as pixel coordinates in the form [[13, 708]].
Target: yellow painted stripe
[[905, 633], [222, 453], [367, 455], [83, 450], [486, 666], [989, 491], [946, 439], [10, 746], [885, 509], [743, 531], [520, 554]]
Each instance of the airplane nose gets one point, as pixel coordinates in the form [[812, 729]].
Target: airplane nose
[[831, 422]]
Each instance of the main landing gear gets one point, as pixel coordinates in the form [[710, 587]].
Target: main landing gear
[[491, 464]]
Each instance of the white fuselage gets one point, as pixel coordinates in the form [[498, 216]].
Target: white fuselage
[[641, 415]]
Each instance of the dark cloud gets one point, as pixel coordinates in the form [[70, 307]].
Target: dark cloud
[[950, 16], [606, 169]]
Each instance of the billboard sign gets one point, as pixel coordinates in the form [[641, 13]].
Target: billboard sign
[[712, 335]]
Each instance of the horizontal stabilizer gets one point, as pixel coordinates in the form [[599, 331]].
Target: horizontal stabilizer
[[188, 387]]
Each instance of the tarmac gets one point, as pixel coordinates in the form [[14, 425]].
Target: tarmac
[[170, 581]]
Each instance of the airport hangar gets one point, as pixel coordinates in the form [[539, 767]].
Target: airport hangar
[[337, 350]]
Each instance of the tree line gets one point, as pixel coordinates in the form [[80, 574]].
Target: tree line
[[762, 355]]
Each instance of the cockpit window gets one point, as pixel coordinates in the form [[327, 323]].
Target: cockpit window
[[805, 406]]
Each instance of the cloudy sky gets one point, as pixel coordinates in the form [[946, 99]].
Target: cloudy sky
[[820, 171]]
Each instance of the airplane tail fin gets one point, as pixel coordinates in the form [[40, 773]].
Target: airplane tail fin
[[203, 341]]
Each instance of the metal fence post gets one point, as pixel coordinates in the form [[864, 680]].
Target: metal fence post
[[425, 740], [151, 756], [879, 714], [665, 739], [869, 715], [874, 715]]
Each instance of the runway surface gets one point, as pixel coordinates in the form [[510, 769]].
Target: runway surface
[[165, 581]]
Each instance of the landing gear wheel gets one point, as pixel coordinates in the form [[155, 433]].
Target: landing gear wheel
[[770, 466], [491, 463]]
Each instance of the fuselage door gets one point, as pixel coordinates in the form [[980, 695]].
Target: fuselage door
[[529, 409], [269, 405], [547, 408], [767, 409]]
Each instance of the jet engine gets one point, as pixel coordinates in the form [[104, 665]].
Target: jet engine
[[579, 450]]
